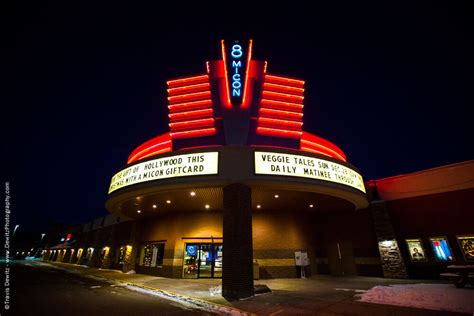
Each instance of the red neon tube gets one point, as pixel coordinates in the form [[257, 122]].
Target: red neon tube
[[158, 143], [278, 122], [282, 96], [283, 80], [314, 146], [245, 102], [280, 105], [187, 81], [284, 89], [190, 114], [190, 97], [190, 105], [157, 152], [275, 132], [280, 114], [228, 104], [319, 143], [188, 89], [194, 133], [208, 122], [316, 151]]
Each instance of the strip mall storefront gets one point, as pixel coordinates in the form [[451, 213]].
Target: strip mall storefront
[[237, 190]]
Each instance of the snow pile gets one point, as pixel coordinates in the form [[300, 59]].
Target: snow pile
[[442, 297], [216, 290], [189, 302], [130, 272], [349, 290]]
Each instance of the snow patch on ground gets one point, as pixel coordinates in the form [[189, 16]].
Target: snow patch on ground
[[349, 290], [442, 297], [189, 302], [216, 290], [131, 272]]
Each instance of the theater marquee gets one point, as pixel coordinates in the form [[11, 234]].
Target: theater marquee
[[169, 167], [271, 163]]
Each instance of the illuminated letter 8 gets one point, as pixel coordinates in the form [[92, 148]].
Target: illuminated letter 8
[[236, 51]]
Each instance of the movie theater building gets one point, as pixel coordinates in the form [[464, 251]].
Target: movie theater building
[[238, 190]]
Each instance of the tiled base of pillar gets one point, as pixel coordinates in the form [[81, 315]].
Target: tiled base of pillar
[[392, 261]]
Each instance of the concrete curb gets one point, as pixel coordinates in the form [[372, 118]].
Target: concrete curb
[[172, 296]]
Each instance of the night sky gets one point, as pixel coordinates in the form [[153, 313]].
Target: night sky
[[391, 85]]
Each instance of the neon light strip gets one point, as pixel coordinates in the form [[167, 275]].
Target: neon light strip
[[195, 95], [283, 79], [178, 82], [131, 159], [319, 140], [229, 104], [244, 101], [187, 88], [193, 104], [190, 114], [307, 142], [193, 123], [164, 150], [281, 113], [282, 87], [266, 120], [265, 67], [194, 133], [293, 106], [283, 95], [278, 132], [315, 151]]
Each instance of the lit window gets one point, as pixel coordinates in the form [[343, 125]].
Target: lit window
[[151, 255]]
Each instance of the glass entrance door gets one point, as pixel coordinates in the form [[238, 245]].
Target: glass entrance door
[[202, 260], [218, 261], [206, 261]]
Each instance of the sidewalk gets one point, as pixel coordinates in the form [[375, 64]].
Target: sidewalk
[[318, 295]]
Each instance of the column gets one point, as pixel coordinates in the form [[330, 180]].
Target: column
[[237, 263], [393, 265], [131, 249]]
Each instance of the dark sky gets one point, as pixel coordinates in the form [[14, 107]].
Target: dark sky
[[391, 85]]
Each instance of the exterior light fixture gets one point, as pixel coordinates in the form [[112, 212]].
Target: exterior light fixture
[[311, 205], [259, 206], [276, 196], [154, 205], [192, 193], [138, 211], [168, 201], [207, 206]]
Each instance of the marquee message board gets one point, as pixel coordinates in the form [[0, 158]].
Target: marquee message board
[[168, 167], [270, 163]]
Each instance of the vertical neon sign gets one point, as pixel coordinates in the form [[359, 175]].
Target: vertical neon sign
[[236, 65], [236, 54]]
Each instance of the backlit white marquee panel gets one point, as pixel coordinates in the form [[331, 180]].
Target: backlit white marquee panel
[[270, 163], [169, 167]]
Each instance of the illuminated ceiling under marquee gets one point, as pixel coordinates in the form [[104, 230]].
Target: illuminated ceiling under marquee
[[236, 102]]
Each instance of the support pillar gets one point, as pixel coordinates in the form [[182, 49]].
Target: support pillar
[[237, 259], [110, 253], [131, 249], [393, 265]]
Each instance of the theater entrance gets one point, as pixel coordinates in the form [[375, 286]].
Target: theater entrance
[[202, 260]]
